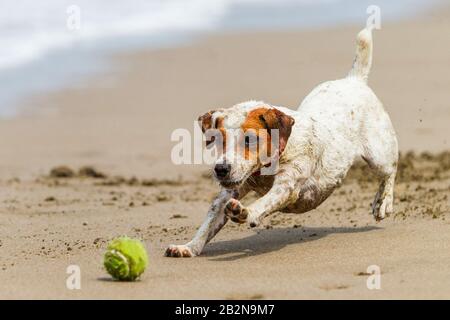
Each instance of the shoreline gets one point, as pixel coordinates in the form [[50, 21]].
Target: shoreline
[[55, 70]]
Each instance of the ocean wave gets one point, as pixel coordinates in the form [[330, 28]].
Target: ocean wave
[[29, 28], [42, 46]]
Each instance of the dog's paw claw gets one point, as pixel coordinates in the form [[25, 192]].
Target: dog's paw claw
[[236, 211], [180, 251]]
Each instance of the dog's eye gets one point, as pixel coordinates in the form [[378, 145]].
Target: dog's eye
[[250, 140]]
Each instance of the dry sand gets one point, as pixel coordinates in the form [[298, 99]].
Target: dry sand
[[120, 123]]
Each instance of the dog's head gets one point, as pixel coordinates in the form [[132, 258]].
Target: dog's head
[[248, 136]]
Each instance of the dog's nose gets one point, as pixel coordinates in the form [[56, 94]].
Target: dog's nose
[[222, 170]]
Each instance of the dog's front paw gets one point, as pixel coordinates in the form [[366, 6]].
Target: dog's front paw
[[236, 211], [179, 251]]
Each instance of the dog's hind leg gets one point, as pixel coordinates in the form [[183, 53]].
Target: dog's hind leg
[[383, 204], [383, 160]]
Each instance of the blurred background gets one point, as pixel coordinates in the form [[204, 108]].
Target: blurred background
[[97, 80], [47, 44]]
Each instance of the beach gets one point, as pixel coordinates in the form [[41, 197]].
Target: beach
[[120, 123]]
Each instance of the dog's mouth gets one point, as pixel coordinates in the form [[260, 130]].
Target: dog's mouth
[[230, 184], [234, 184]]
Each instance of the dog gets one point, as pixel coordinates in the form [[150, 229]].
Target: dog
[[337, 123]]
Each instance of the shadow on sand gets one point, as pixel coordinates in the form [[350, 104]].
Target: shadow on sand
[[264, 241]]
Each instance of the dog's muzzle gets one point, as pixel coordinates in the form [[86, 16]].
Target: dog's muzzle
[[222, 170]]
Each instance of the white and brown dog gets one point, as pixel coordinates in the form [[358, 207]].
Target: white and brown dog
[[337, 123]]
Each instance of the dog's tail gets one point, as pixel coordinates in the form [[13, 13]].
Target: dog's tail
[[363, 58]]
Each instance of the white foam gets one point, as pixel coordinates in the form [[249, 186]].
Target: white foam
[[31, 28]]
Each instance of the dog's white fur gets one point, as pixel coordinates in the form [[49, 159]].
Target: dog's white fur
[[337, 123]]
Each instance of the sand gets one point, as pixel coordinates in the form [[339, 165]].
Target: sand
[[120, 124]]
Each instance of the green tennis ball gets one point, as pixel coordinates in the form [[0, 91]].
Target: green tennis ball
[[125, 259]]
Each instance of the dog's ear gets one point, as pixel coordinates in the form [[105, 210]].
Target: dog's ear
[[275, 119], [205, 122]]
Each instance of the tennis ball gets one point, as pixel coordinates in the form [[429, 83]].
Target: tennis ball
[[125, 259]]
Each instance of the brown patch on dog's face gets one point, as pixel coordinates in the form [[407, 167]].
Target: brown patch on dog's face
[[254, 128], [275, 119], [262, 121], [206, 123]]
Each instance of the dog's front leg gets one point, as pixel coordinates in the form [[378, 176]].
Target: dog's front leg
[[214, 221], [283, 192]]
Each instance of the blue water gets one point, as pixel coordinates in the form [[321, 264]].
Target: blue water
[[39, 53]]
